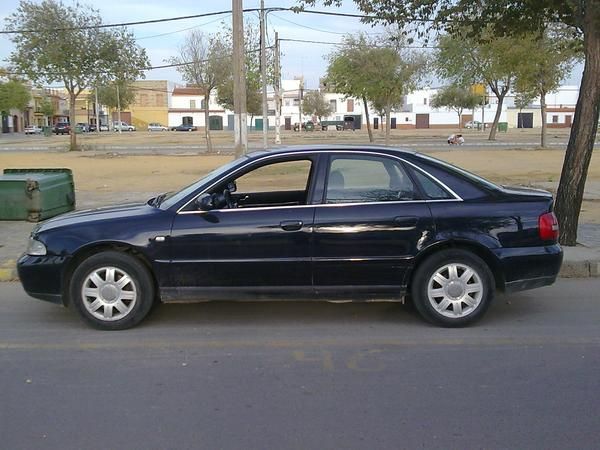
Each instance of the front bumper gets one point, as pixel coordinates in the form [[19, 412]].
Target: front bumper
[[530, 267], [42, 276]]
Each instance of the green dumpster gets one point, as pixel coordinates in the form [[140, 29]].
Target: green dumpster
[[503, 126], [310, 126], [36, 194], [47, 131]]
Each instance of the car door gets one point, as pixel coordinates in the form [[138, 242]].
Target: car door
[[260, 241], [370, 225]]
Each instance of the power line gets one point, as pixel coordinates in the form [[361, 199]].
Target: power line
[[308, 27], [306, 41], [183, 29], [196, 16]]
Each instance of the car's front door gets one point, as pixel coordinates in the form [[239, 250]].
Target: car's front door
[[260, 241], [369, 226]]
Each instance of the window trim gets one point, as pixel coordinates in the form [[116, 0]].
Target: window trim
[[316, 155]]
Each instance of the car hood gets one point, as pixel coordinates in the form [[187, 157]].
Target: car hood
[[128, 210]]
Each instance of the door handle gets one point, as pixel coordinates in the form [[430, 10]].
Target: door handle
[[291, 225], [406, 223]]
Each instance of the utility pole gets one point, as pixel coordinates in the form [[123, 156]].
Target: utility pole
[[97, 113], [263, 73], [119, 109], [239, 81], [300, 95], [277, 93]]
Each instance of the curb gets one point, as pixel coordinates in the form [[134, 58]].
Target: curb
[[8, 271], [569, 269]]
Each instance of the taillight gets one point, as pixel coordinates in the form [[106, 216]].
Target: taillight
[[548, 225]]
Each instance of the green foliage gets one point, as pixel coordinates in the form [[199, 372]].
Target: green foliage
[[524, 99], [13, 95], [456, 98], [314, 103], [107, 95], [47, 107], [62, 51]]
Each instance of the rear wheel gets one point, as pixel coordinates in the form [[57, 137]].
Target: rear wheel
[[112, 290], [453, 288]]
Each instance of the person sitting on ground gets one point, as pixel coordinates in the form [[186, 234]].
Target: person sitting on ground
[[459, 139], [452, 139]]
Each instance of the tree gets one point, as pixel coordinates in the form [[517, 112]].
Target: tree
[[457, 98], [510, 18], [204, 61], [67, 46], [13, 95], [314, 103], [523, 100], [253, 78], [47, 109], [495, 61], [375, 74], [551, 56], [107, 95]]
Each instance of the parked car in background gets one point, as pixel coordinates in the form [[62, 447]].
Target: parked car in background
[[122, 126], [473, 124], [157, 127], [319, 222], [33, 129], [184, 127], [103, 127], [62, 128], [82, 127]]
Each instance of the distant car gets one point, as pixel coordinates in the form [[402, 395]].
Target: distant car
[[93, 128], [33, 129], [473, 124], [157, 127], [184, 127], [123, 126], [83, 127], [353, 223], [62, 128]]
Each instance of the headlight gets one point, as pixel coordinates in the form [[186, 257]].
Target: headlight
[[36, 248]]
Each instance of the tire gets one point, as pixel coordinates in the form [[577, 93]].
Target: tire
[[112, 301], [453, 288]]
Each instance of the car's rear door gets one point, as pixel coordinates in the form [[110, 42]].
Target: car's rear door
[[369, 227]]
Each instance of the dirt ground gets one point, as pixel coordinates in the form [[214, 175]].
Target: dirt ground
[[113, 173]]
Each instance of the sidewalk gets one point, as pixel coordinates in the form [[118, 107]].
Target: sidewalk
[[582, 261]]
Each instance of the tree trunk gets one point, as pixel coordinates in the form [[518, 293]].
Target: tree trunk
[[364, 99], [209, 148], [500, 96], [73, 142], [583, 132], [388, 123], [543, 111]]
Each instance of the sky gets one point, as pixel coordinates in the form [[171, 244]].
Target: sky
[[163, 39]]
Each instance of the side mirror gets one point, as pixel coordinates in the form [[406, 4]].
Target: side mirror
[[205, 202]]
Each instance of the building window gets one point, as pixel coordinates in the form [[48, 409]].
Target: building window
[[350, 105], [187, 120], [554, 119], [287, 103], [425, 101], [333, 104], [203, 104], [192, 104]]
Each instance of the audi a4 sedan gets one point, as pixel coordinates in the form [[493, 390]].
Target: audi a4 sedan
[[323, 223]]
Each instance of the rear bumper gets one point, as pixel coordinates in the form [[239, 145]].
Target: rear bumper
[[530, 267], [41, 276]]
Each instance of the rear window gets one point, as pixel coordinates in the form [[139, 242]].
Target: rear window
[[466, 184]]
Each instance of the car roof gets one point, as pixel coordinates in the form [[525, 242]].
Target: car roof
[[368, 148]]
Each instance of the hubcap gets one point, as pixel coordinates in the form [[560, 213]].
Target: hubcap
[[109, 293], [455, 290]]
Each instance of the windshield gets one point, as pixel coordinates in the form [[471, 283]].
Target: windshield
[[175, 197]]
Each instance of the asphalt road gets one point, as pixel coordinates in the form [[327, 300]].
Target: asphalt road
[[304, 376]]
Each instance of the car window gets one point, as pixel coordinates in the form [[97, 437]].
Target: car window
[[362, 179], [432, 190], [275, 177]]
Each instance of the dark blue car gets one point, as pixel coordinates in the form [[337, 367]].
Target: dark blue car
[[330, 223]]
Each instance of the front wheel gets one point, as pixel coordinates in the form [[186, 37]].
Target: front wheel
[[112, 290], [453, 288]]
